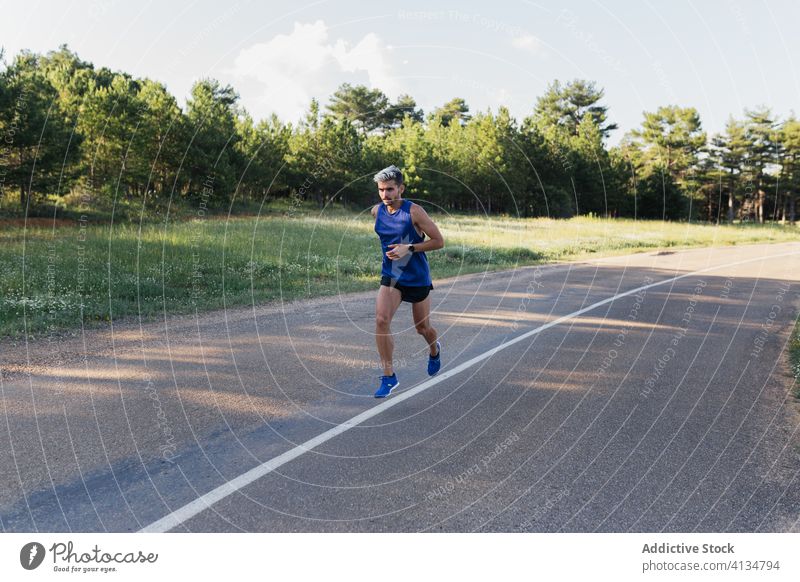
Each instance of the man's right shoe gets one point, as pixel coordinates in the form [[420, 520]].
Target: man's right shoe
[[388, 383]]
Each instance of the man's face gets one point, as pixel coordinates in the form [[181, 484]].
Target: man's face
[[390, 191]]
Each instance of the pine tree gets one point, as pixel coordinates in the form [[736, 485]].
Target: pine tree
[[39, 145], [365, 109], [760, 132], [730, 149], [565, 107], [454, 110], [212, 157], [790, 165]]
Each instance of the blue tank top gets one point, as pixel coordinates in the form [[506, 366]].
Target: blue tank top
[[398, 228]]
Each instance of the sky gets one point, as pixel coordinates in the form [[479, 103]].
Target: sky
[[718, 56]]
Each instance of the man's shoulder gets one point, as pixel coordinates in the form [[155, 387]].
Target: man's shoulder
[[416, 210], [374, 210]]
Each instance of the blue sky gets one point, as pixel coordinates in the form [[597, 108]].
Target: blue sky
[[718, 56]]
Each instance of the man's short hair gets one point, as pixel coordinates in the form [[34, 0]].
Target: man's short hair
[[390, 173]]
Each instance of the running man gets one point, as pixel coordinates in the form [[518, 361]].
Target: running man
[[405, 276]]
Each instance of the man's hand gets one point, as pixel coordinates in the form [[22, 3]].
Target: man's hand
[[397, 251]]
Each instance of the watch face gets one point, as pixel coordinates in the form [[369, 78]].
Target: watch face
[[411, 248]]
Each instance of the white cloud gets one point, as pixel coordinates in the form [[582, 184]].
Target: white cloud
[[292, 68], [529, 43]]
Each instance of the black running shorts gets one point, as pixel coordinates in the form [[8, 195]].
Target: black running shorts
[[408, 293]]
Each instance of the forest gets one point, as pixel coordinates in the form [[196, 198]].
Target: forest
[[71, 132]]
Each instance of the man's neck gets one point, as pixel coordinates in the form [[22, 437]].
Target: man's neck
[[394, 205]]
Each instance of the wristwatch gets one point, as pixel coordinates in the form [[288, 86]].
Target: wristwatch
[[410, 248]]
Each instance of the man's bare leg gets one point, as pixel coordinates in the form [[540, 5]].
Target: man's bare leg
[[421, 312], [388, 301]]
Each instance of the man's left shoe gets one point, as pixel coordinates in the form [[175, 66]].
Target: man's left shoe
[[388, 383], [435, 362]]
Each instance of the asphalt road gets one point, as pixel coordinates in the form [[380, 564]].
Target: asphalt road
[[667, 409]]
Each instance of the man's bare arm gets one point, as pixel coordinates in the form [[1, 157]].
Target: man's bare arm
[[425, 224]]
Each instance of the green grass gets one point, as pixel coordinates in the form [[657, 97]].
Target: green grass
[[794, 357], [59, 278]]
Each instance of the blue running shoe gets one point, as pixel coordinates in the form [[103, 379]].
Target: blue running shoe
[[388, 383], [435, 362]]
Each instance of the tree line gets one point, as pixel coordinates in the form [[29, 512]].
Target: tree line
[[68, 127]]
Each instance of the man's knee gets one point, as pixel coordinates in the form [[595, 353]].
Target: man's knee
[[423, 328], [382, 321]]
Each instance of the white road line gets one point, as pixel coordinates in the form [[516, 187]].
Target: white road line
[[204, 502]]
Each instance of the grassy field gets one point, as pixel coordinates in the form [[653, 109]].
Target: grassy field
[[56, 277], [794, 356]]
